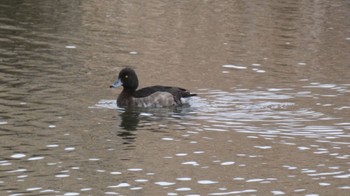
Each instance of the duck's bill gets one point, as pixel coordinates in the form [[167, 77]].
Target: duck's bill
[[116, 84]]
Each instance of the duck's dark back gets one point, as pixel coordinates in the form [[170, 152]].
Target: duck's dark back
[[176, 91]]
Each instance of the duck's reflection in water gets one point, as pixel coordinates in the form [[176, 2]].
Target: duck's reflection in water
[[129, 119], [129, 123], [133, 119]]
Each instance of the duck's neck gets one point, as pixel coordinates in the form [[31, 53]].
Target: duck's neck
[[128, 91]]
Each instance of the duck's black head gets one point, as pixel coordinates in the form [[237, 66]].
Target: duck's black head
[[128, 79]]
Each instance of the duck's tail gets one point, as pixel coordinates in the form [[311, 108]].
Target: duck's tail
[[188, 94]]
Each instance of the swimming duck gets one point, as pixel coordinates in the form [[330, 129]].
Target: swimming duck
[[153, 96]]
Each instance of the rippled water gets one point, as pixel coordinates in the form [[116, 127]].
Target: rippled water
[[271, 116]]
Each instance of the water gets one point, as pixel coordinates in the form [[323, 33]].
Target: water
[[271, 118]]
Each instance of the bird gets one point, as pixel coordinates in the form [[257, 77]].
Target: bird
[[152, 96]]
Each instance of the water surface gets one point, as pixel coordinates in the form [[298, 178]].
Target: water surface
[[271, 116]]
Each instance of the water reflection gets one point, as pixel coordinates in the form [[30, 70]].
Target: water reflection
[[272, 109], [129, 119], [270, 112], [133, 119], [275, 115]]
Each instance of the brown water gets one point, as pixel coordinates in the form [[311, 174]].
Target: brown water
[[272, 116]]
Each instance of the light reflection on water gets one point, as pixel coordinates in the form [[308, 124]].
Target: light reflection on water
[[268, 119], [273, 112], [273, 115], [271, 118]]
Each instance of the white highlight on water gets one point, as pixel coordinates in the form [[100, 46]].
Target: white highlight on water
[[227, 163], [234, 67], [121, 185], [206, 182], [163, 183], [18, 156], [70, 47]]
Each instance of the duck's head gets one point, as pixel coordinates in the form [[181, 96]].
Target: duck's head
[[127, 78]]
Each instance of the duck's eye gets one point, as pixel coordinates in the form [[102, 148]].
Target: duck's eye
[[126, 76]]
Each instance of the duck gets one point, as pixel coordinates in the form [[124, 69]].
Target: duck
[[152, 96]]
